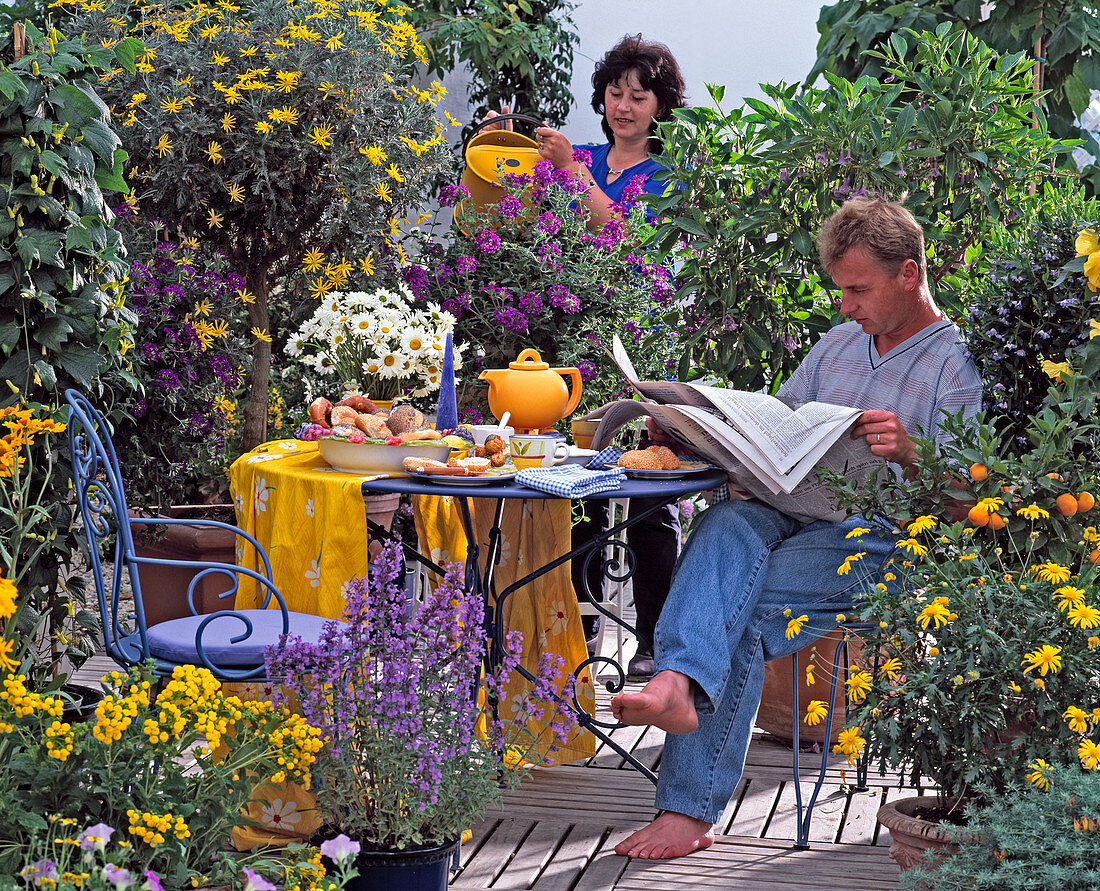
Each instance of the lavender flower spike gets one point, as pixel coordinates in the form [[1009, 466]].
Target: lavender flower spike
[[340, 849]]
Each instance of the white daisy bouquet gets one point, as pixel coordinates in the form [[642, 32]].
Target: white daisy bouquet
[[376, 343]]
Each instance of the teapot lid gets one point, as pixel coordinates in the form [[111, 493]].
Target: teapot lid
[[529, 360]]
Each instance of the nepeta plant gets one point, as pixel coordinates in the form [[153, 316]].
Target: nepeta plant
[[395, 695]]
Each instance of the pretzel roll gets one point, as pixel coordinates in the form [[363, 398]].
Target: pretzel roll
[[319, 410], [403, 418], [359, 402]]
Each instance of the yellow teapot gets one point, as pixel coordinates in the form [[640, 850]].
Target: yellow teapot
[[534, 393]]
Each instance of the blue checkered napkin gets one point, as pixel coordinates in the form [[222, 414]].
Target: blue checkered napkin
[[571, 480], [609, 457]]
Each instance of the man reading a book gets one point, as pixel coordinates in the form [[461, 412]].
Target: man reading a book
[[748, 568]]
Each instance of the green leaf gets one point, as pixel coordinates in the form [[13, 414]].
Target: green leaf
[[11, 85], [692, 226], [113, 180], [75, 106], [1077, 92], [81, 363], [46, 372], [127, 52], [102, 140]]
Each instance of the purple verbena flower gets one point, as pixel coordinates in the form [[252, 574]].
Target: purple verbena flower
[[488, 242]]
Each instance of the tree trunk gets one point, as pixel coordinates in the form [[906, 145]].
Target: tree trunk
[[255, 410]]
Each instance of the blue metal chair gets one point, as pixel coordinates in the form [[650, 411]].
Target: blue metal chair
[[230, 643]]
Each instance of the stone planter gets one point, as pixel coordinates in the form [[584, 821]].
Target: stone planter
[[915, 828], [776, 713], [164, 588]]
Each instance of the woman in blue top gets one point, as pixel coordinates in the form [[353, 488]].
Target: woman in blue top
[[636, 85]]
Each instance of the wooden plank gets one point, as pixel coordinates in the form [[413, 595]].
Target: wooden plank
[[603, 870], [753, 810], [572, 856], [533, 855], [860, 823], [493, 855], [825, 820]]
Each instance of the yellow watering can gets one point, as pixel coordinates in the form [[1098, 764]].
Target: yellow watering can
[[489, 152]]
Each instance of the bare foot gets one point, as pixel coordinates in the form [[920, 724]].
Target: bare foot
[[667, 702], [670, 835]]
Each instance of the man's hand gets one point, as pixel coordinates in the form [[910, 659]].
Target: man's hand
[[886, 437], [658, 437]]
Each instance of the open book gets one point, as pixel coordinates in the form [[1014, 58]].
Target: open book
[[770, 449]]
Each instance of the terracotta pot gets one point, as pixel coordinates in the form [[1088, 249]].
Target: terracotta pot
[[164, 588], [914, 828], [776, 713], [380, 508]]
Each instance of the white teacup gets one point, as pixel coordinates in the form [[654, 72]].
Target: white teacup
[[537, 450], [482, 432]]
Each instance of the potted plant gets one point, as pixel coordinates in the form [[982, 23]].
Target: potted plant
[[988, 617], [413, 754], [1041, 834]]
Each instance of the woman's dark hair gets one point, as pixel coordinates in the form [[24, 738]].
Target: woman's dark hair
[[656, 69]]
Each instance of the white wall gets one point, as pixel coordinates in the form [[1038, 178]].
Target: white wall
[[737, 43]]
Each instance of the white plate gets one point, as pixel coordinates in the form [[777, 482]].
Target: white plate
[[684, 470], [377, 457], [485, 479]]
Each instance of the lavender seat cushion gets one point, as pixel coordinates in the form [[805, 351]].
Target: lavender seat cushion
[[174, 640]]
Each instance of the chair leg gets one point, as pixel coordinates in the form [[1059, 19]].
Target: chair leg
[[802, 828]]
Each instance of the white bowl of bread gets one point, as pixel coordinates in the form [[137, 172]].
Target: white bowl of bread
[[377, 457]]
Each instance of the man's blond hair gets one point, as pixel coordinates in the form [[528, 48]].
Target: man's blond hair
[[886, 231]]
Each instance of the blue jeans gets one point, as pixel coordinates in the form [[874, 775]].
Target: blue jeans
[[744, 565]]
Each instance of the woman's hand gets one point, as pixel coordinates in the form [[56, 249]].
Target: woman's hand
[[489, 115], [556, 148]]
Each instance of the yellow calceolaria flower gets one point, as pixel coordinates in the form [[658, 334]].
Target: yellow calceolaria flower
[[794, 626], [858, 684], [1033, 512], [922, 524], [1094, 328], [1038, 775], [850, 744], [1054, 573], [815, 712], [1046, 658], [1088, 753], [1083, 616], [1077, 719]]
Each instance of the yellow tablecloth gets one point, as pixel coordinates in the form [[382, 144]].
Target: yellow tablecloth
[[311, 521], [535, 532]]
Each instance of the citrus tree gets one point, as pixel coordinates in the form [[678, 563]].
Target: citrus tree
[[285, 132]]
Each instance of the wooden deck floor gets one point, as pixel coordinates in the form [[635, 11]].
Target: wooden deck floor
[[557, 831]]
